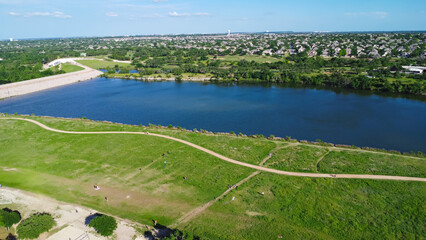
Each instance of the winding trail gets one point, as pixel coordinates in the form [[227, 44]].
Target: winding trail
[[260, 168]]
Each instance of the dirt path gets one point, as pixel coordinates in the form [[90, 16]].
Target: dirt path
[[321, 158], [260, 168], [197, 211], [192, 214]]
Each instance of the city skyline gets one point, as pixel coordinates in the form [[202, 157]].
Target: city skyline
[[51, 19]]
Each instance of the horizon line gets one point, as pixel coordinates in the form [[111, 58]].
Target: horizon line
[[218, 33]]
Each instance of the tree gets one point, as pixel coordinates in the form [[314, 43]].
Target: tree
[[105, 225], [35, 225], [9, 217]]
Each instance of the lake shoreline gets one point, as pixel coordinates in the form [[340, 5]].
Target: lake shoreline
[[318, 142], [40, 84]]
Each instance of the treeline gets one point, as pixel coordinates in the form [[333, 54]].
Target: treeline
[[363, 74], [24, 64], [382, 74]]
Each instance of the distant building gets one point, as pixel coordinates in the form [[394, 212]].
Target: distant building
[[414, 69], [229, 33], [83, 54], [11, 39]]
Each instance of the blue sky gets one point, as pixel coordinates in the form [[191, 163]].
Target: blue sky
[[68, 18]]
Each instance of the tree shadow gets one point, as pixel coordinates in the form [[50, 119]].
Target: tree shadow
[[91, 217], [10, 210]]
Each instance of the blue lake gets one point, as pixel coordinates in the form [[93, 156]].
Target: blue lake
[[339, 117]]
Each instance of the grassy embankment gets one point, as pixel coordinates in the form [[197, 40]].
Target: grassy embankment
[[130, 171], [68, 67], [103, 64]]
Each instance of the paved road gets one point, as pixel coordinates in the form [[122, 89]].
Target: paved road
[[260, 168]]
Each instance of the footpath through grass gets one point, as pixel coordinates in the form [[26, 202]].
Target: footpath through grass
[[131, 171], [123, 165], [306, 208]]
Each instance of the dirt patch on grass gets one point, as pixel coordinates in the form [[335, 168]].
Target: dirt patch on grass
[[6, 169], [250, 213]]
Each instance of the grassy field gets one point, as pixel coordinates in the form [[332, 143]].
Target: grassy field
[[68, 67], [296, 158], [101, 64], [304, 208], [131, 173], [370, 163]]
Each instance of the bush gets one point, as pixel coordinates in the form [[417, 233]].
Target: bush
[[9, 217], [104, 225], [35, 225]]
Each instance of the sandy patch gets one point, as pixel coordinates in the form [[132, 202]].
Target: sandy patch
[[69, 218], [9, 169], [250, 213]]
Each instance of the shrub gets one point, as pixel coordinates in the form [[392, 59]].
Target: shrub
[[9, 217], [105, 225], [35, 225]]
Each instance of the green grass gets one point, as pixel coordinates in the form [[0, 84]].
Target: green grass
[[66, 166], [304, 208], [242, 149], [371, 163], [51, 161], [404, 80], [68, 67], [298, 158], [99, 64]]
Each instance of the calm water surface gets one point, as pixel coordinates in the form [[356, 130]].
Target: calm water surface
[[309, 114]]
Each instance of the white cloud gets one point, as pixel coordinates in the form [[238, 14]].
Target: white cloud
[[14, 14], [111, 14], [368, 14], [176, 14], [56, 14], [160, 0]]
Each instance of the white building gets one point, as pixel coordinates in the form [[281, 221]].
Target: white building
[[59, 61], [414, 69]]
